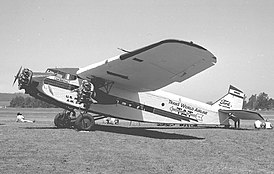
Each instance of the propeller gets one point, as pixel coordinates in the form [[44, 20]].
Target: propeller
[[17, 76]]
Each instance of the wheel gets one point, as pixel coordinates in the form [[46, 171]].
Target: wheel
[[62, 121], [58, 120], [85, 122]]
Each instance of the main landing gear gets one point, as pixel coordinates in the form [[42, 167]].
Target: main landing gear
[[85, 122], [64, 119], [67, 119], [86, 95]]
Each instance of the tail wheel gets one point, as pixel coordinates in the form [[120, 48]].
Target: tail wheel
[[85, 122]]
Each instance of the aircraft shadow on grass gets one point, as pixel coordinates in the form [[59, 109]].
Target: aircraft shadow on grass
[[47, 127], [135, 131], [144, 132]]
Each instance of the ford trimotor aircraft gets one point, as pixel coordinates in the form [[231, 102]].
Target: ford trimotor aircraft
[[128, 87]]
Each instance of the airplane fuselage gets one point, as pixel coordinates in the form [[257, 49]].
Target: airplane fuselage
[[160, 107], [58, 87]]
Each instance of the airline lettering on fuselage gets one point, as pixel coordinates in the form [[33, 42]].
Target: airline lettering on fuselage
[[174, 103], [71, 99], [187, 110]]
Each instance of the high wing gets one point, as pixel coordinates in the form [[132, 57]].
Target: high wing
[[152, 67], [243, 114]]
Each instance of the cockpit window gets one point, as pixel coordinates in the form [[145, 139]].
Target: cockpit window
[[62, 75], [71, 77], [50, 71]]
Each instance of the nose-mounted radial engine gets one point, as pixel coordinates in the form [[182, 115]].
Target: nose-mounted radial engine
[[63, 88], [24, 78]]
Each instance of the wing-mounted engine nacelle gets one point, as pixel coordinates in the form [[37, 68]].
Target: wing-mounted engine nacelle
[[86, 93]]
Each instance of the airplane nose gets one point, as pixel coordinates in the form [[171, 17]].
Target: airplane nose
[[24, 78]]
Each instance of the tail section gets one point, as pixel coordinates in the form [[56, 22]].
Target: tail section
[[233, 100]]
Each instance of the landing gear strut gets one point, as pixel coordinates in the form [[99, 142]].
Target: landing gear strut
[[85, 95]]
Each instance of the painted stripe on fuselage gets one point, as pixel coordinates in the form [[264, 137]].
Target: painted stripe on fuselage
[[153, 110]]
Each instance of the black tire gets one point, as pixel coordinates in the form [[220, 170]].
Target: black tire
[[57, 120], [60, 121], [85, 122]]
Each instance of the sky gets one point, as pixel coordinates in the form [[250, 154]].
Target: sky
[[39, 34]]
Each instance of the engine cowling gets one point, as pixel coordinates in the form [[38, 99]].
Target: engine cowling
[[24, 78], [86, 93]]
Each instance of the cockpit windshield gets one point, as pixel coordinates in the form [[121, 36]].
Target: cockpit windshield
[[61, 74], [50, 71]]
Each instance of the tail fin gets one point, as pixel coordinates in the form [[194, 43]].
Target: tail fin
[[233, 100]]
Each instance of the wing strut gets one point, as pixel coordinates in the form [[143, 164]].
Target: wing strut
[[108, 85], [101, 83]]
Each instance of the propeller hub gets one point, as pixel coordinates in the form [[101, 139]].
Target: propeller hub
[[23, 77]]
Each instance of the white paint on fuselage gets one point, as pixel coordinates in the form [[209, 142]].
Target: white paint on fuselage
[[203, 112], [62, 95], [161, 100]]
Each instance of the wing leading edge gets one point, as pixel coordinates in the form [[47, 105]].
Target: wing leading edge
[[152, 67]]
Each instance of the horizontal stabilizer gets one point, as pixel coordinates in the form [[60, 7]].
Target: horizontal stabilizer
[[243, 114]]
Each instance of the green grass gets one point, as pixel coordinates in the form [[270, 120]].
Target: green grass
[[41, 148]]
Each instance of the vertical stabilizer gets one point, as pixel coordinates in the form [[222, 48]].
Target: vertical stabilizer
[[233, 100]]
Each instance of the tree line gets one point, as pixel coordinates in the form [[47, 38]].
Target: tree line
[[255, 102], [29, 102], [259, 102]]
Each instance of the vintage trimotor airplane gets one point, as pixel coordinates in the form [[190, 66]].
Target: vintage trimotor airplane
[[128, 87]]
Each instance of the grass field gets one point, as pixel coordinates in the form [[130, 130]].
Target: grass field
[[41, 148]]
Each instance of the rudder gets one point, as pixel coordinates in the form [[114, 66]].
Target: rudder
[[233, 100]]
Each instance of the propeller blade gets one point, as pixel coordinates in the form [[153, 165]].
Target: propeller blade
[[17, 76]]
